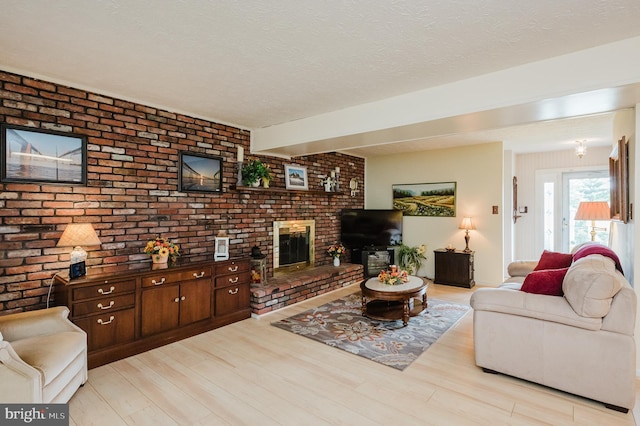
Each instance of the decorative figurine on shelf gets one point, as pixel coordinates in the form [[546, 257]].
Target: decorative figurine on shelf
[[327, 183]]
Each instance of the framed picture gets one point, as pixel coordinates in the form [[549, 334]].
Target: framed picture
[[426, 199], [200, 173], [619, 185], [295, 177], [35, 155]]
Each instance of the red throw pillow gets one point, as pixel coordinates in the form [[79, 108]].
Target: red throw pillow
[[548, 281], [600, 249], [553, 260]]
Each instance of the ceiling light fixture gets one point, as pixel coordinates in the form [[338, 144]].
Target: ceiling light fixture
[[581, 149]]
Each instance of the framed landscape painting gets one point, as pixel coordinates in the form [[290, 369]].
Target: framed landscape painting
[[295, 177], [200, 173], [425, 199], [35, 155]]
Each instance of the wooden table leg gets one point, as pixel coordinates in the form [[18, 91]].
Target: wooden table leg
[[405, 312], [424, 301]]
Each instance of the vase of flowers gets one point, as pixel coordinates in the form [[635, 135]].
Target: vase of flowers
[[394, 276], [162, 250], [410, 258], [255, 171], [336, 251]]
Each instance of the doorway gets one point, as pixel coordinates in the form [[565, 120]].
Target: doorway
[[560, 193]]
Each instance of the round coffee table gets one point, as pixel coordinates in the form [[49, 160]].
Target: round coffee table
[[393, 302]]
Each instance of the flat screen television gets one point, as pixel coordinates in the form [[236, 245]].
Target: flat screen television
[[370, 228]]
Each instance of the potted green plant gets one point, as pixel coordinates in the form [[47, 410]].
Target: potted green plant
[[253, 171], [410, 258]]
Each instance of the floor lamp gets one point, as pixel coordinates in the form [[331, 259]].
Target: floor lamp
[[593, 210]]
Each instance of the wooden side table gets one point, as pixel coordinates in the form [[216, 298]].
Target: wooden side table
[[454, 268]]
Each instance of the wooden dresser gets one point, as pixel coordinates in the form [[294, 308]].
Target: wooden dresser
[[128, 309]]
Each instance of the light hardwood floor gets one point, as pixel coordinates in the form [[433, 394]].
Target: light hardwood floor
[[250, 373]]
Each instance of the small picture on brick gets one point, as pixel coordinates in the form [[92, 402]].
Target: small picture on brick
[[296, 177], [200, 173], [35, 155]]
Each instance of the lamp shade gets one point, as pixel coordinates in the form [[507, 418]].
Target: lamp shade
[[79, 234], [467, 223], [593, 210]]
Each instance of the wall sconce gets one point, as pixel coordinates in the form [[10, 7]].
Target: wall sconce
[[593, 210], [467, 224], [353, 185], [581, 149], [76, 235]]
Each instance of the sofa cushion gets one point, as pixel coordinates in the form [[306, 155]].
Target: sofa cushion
[[547, 281], [50, 354], [595, 248], [590, 284], [553, 260]]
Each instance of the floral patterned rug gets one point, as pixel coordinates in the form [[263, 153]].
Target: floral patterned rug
[[340, 324]]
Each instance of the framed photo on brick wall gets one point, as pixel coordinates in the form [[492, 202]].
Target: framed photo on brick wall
[[36, 155], [200, 173], [295, 177]]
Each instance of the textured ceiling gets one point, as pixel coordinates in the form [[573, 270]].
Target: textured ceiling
[[259, 63]]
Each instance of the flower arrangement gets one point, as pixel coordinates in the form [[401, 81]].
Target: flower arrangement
[[336, 250], [162, 247], [411, 258], [394, 276]]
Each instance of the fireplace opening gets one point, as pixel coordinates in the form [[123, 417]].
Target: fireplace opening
[[293, 245]]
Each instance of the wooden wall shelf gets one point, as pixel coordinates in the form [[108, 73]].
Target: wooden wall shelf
[[283, 191]]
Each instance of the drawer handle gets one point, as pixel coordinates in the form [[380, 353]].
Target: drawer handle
[[154, 282], [106, 307], [200, 275], [234, 291], [101, 291], [111, 318], [234, 280], [234, 269]]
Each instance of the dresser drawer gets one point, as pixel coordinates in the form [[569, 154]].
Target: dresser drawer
[[232, 267], [174, 277], [108, 329], [233, 279], [105, 304], [101, 290], [232, 299]]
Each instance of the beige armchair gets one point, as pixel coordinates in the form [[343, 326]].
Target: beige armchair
[[43, 357]]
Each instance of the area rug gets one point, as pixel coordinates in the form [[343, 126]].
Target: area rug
[[340, 324]]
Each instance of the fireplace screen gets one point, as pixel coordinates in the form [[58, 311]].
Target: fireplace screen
[[293, 244]]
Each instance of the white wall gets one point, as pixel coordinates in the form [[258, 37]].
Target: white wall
[[526, 166], [477, 170]]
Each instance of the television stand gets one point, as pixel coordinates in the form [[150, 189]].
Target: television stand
[[375, 260]]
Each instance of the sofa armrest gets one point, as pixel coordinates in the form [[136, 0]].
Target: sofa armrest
[[36, 323], [520, 268], [537, 306], [19, 382]]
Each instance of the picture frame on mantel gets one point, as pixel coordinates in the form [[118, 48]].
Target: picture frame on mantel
[[200, 173], [619, 181], [295, 177], [45, 156]]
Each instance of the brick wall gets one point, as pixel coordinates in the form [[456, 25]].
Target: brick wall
[[132, 192]]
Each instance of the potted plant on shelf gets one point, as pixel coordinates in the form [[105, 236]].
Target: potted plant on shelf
[[255, 170]]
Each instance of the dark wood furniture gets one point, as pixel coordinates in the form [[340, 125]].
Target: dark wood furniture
[[128, 309], [454, 267], [393, 302]]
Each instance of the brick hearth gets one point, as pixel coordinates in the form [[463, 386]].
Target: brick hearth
[[294, 287]]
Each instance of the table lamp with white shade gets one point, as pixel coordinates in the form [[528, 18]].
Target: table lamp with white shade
[[467, 224], [593, 210], [77, 235]]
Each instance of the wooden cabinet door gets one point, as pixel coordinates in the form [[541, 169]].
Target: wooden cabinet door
[[160, 309], [195, 300]]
